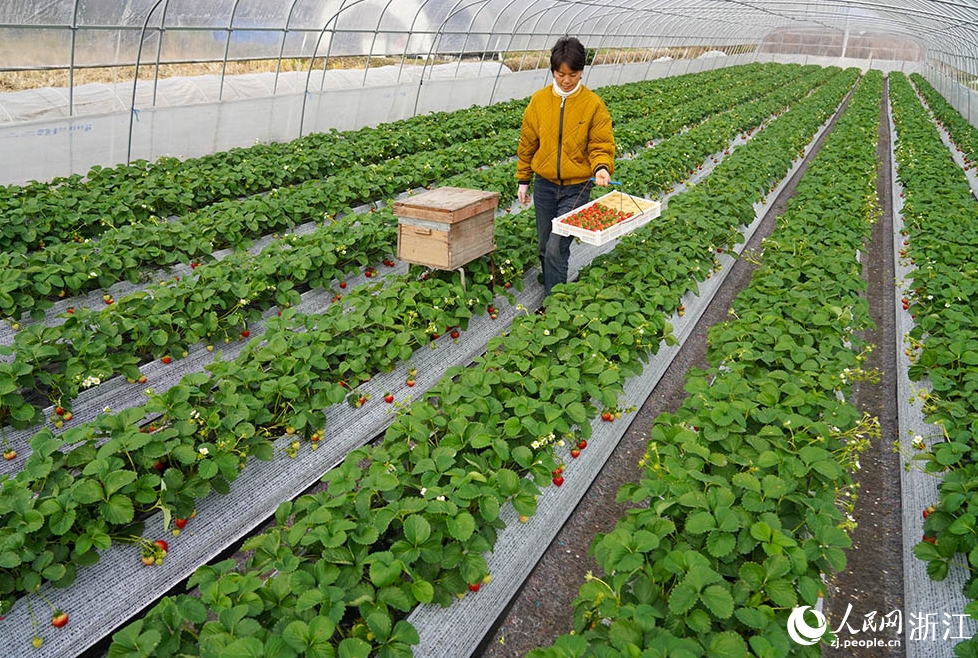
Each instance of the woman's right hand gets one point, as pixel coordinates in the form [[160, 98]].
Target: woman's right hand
[[524, 193]]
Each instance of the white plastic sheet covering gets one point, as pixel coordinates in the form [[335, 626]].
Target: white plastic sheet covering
[[93, 99], [45, 148], [188, 122]]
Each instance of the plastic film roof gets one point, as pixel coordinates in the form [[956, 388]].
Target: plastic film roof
[[410, 56], [74, 33]]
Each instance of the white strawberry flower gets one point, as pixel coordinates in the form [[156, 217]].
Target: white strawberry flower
[[546, 332], [424, 490], [203, 451]]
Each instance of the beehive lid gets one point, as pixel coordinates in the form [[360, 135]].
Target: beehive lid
[[446, 204]]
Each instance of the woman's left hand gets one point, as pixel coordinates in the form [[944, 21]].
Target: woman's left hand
[[602, 178]]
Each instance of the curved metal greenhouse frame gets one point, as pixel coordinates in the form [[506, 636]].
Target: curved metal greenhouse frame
[[455, 39], [77, 34]]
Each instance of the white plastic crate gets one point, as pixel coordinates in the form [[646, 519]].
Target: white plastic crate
[[643, 210]]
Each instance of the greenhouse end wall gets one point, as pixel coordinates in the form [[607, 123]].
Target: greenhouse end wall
[[45, 149]]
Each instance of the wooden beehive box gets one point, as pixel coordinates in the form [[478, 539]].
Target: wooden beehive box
[[447, 227]]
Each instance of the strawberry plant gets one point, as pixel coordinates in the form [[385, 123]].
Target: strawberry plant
[[76, 208], [422, 505], [378, 531], [941, 296], [737, 515]]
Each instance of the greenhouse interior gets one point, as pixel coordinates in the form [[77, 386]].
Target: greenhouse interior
[[491, 329]]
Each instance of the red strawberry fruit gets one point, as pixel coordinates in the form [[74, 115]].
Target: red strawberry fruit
[[59, 618]]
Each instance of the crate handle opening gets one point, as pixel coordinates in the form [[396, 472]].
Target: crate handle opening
[[422, 231]]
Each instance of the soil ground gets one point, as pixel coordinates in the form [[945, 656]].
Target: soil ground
[[542, 610]]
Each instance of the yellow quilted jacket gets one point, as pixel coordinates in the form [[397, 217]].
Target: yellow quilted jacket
[[565, 145]]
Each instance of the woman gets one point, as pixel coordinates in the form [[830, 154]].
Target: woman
[[566, 141]]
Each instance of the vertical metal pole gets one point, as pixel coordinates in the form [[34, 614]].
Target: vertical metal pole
[[512, 36], [312, 58], [281, 50], [227, 50], [431, 50], [373, 43], [71, 64], [135, 76], [159, 50]]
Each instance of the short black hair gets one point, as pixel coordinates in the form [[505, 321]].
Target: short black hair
[[570, 51]]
